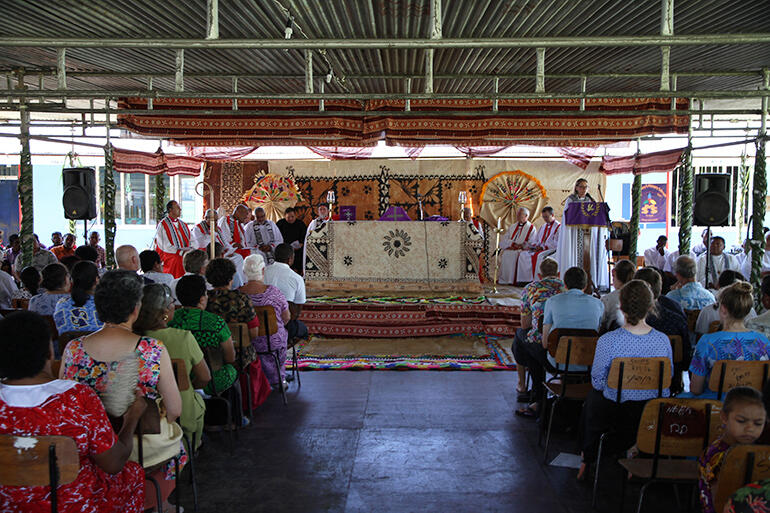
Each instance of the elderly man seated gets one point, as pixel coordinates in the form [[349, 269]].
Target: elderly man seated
[[571, 309], [690, 294]]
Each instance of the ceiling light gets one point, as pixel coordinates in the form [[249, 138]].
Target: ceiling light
[[289, 30]]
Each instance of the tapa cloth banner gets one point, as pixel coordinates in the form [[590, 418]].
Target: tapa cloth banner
[[654, 205]]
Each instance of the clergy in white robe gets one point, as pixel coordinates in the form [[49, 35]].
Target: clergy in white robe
[[263, 234], [568, 253], [671, 257], [746, 264], [718, 261], [201, 236], [233, 231], [656, 256], [541, 246], [323, 217], [512, 245], [700, 249], [172, 240]]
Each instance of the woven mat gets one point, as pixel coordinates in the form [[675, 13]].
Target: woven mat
[[456, 352]]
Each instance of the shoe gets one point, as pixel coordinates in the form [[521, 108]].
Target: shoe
[[245, 422], [285, 385], [527, 412], [290, 378], [524, 397]]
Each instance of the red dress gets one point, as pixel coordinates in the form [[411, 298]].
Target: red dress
[[78, 414]]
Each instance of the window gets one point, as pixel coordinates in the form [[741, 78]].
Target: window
[[154, 215], [187, 197]]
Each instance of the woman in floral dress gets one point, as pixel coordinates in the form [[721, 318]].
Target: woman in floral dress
[[34, 403]]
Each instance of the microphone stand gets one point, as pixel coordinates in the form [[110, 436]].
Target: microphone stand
[[708, 254]]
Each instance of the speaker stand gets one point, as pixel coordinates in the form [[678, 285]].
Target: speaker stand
[[708, 256], [85, 231]]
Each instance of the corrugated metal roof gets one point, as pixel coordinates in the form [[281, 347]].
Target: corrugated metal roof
[[338, 19]]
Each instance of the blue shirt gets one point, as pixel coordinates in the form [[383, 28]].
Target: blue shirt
[[69, 317], [44, 303], [727, 345], [692, 296], [573, 309], [621, 343]]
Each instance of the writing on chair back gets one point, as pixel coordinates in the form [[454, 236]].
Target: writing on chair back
[[639, 374], [728, 374]]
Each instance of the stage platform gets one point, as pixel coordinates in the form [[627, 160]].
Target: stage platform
[[431, 315]]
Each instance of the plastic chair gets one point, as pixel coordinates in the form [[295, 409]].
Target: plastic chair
[[47, 461], [569, 347], [744, 464], [633, 374], [268, 325], [241, 339], [728, 374], [672, 428], [183, 383]]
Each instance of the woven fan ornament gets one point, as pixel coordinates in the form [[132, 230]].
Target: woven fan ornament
[[120, 391], [506, 192]]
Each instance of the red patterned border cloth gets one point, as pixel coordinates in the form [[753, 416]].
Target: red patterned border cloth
[[129, 161], [480, 127], [641, 163], [409, 320]]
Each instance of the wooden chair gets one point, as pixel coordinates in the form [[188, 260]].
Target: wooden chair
[[268, 325], [19, 303], [183, 383], [570, 347], [241, 339], [727, 374], [633, 374], [39, 461], [672, 428], [744, 464], [219, 409], [692, 319], [5, 312], [68, 336], [715, 326]]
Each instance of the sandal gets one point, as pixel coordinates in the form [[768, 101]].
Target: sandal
[[527, 412], [524, 397]]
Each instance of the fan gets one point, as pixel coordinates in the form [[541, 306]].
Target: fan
[[506, 192]]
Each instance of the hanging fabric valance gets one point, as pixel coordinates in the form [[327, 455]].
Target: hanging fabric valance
[[641, 163], [129, 161]]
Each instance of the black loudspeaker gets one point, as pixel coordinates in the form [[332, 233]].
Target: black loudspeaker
[[712, 200], [79, 198]]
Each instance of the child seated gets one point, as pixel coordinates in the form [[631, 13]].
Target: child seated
[[743, 418]]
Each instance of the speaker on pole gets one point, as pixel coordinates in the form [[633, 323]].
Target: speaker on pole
[[79, 197], [712, 200]]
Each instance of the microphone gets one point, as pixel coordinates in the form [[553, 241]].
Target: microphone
[[601, 196]]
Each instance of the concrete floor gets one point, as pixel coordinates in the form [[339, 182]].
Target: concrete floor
[[419, 441]]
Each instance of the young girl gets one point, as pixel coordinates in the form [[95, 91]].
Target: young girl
[[743, 417]]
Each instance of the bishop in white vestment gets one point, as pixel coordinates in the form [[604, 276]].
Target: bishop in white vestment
[[201, 236], [263, 234], [512, 244], [542, 245]]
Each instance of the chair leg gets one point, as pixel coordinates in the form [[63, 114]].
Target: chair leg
[[248, 395], [623, 491], [280, 381], [641, 496], [596, 472], [158, 496], [295, 362], [191, 455], [548, 432], [177, 487]]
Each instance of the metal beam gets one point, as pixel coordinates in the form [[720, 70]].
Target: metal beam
[[540, 73], [308, 71], [212, 19], [666, 29], [61, 68], [179, 72], [435, 34], [405, 44]]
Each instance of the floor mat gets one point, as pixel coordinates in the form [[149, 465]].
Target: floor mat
[[454, 352]]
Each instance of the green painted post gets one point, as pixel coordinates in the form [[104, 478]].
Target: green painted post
[[636, 204], [25, 190]]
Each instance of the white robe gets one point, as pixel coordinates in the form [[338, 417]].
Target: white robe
[[227, 235], [567, 251], [717, 264], [652, 258], [520, 234], [265, 233], [315, 223], [201, 240], [671, 258], [746, 265], [545, 237]]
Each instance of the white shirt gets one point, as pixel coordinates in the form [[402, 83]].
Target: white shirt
[[746, 265], [653, 258], [292, 285], [173, 284], [717, 264], [268, 231], [157, 277], [227, 235], [709, 314], [7, 289], [671, 258], [760, 323]]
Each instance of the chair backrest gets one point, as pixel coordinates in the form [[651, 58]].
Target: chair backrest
[[52, 326], [268, 323], [692, 319], [727, 374], [215, 358], [575, 350], [715, 326], [66, 337], [743, 464], [639, 374], [678, 427], [181, 374], [677, 348], [5, 312], [149, 423], [20, 303], [556, 336], [55, 367], [26, 460]]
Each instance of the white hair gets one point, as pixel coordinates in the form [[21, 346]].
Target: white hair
[[254, 267], [525, 209]]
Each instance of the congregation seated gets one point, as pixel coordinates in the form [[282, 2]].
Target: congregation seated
[[127, 258], [41, 257], [194, 263], [734, 342], [66, 249], [30, 283], [710, 314], [281, 275], [761, 323], [622, 273], [78, 311], [528, 338], [89, 254], [97, 360], [690, 294], [34, 401], [267, 295], [764, 267], [635, 338], [157, 309], [8, 289], [657, 256], [209, 330], [56, 282], [718, 261], [152, 267]]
